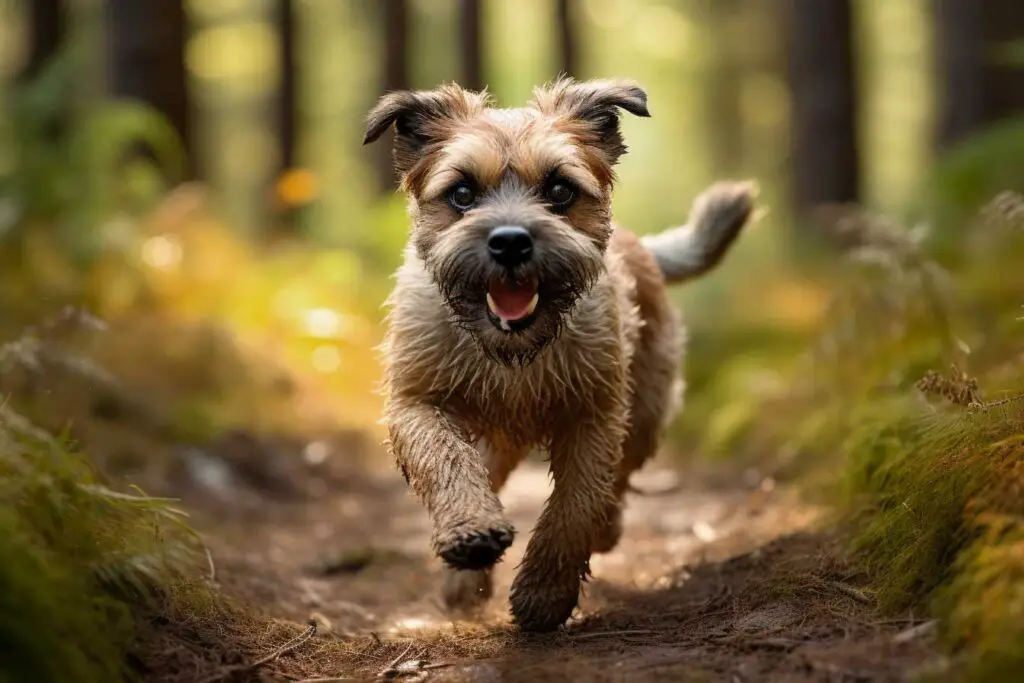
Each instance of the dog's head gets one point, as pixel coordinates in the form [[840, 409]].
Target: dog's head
[[510, 207]]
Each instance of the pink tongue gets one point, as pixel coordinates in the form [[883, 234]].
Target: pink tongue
[[511, 302]]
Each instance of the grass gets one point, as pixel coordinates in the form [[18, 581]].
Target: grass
[[81, 559], [940, 523]]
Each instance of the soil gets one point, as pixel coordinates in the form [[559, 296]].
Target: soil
[[719, 577]]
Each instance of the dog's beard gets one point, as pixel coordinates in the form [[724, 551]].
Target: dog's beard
[[464, 273]]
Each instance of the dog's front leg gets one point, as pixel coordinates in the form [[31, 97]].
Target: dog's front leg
[[584, 458], [448, 474]]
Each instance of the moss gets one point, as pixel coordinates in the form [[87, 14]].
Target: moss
[[943, 526], [79, 560], [913, 482], [54, 625], [983, 605]]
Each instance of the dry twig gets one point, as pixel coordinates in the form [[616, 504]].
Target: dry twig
[[958, 388], [212, 577], [922, 630], [291, 645], [602, 634], [961, 389], [390, 670], [849, 591]]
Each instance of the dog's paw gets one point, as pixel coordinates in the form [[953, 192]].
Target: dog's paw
[[542, 604], [466, 591], [469, 548]]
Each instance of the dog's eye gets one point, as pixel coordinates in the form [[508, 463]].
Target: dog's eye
[[561, 195], [462, 197]]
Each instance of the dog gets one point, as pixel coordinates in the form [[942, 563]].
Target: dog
[[523, 317]]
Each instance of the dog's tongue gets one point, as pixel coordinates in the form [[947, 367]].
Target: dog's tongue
[[512, 301]]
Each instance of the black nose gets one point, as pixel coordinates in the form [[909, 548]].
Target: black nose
[[510, 246]]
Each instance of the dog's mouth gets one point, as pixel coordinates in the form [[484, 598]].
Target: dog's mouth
[[512, 305]]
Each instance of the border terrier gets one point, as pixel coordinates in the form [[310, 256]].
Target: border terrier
[[523, 317]]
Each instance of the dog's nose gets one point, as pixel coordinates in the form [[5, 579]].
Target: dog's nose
[[510, 245]]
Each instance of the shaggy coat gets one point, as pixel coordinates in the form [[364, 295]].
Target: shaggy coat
[[567, 343]]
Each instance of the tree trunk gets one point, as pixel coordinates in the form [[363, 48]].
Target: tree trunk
[[147, 44], [289, 197], [396, 77], [566, 38], [287, 88], [826, 164], [975, 88], [471, 44], [47, 21]]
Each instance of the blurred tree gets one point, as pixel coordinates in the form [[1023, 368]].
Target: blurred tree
[[147, 45], [566, 37], [978, 84], [292, 187], [471, 42], [823, 84], [722, 82], [287, 88], [396, 77], [47, 25]]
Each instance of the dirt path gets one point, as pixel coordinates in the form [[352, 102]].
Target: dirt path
[[710, 583]]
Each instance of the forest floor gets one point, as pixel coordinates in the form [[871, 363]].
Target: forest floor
[[720, 576]]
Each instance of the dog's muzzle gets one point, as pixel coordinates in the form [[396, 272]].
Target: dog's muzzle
[[511, 301]]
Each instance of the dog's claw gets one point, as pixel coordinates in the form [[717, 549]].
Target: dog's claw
[[477, 549]]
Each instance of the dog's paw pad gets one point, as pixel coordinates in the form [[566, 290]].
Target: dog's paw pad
[[477, 549]]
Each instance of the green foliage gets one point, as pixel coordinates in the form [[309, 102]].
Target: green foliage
[[940, 519], [1009, 54], [931, 465], [71, 164], [914, 476], [983, 606], [79, 559], [968, 176], [51, 629]]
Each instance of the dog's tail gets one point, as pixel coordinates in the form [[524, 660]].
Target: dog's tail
[[716, 218]]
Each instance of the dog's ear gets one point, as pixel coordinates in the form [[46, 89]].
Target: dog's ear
[[420, 118], [596, 104]]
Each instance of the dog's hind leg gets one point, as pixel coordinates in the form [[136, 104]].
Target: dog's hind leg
[[467, 589], [657, 398]]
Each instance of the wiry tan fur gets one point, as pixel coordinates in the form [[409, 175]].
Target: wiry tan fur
[[594, 381]]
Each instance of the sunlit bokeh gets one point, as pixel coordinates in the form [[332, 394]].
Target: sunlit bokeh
[[197, 248]]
